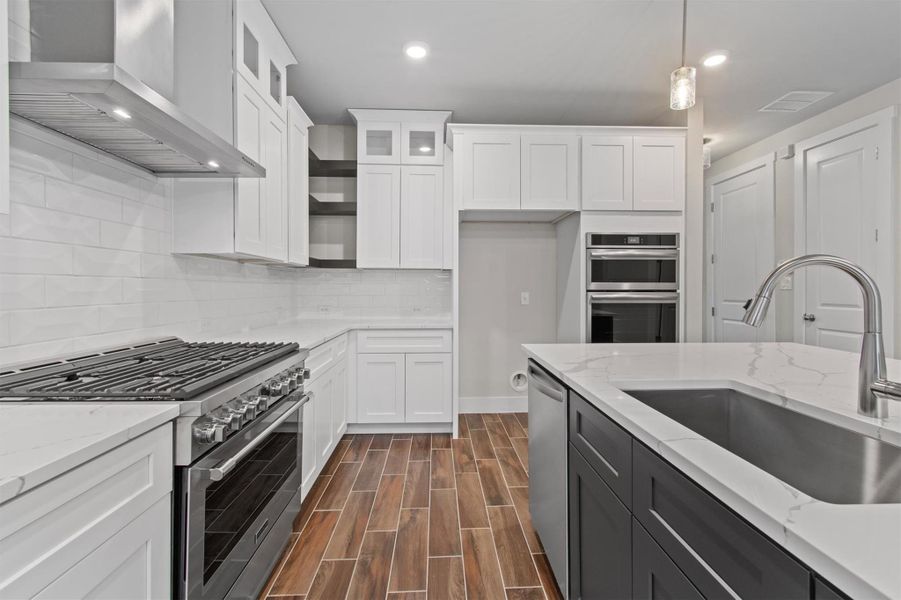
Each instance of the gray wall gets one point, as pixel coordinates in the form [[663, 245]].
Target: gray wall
[[498, 261], [871, 102]]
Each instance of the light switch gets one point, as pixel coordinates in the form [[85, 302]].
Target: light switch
[[524, 298]]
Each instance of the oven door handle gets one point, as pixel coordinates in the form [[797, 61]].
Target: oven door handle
[[634, 297], [617, 253], [223, 468]]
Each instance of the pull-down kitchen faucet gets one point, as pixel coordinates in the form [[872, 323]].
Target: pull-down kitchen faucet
[[873, 389]]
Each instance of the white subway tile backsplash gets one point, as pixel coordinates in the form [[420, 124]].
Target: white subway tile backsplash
[[26, 187], [67, 197], [85, 263], [99, 261], [28, 256], [29, 326], [32, 222], [79, 291], [21, 291]]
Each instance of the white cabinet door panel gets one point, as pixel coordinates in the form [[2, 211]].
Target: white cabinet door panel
[[135, 563], [428, 388], [251, 215], [606, 172], [658, 173], [380, 388], [339, 401], [378, 216], [298, 185], [489, 170], [422, 217], [422, 143], [378, 143], [276, 186], [550, 171], [322, 390]]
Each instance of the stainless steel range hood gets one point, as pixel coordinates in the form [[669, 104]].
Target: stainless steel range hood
[[98, 73]]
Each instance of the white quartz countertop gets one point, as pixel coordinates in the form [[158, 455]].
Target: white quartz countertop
[[309, 333], [856, 547], [39, 441]]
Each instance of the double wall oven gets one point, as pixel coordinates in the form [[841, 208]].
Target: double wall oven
[[632, 282]]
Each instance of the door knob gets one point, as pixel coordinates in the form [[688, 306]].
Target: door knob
[[810, 317]]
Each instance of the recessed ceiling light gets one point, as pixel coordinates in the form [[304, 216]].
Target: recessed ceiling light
[[213, 164], [715, 59], [121, 113], [416, 50]]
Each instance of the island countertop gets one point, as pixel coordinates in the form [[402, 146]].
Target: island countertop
[[856, 547]]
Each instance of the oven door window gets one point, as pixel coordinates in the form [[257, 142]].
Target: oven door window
[[626, 322], [233, 503], [633, 270]]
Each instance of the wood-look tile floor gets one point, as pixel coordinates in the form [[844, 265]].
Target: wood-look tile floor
[[420, 516]]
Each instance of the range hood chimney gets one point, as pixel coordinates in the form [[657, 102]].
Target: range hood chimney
[[102, 72]]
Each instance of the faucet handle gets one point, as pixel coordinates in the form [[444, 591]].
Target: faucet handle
[[886, 388]]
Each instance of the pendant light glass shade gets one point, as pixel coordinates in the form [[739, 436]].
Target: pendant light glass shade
[[682, 88]]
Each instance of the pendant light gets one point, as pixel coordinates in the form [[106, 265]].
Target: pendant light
[[682, 80]]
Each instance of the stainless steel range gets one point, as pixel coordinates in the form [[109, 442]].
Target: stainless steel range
[[237, 445]]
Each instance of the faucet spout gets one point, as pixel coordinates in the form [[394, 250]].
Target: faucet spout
[[873, 387]]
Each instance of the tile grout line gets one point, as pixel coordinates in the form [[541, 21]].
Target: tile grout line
[[457, 507]]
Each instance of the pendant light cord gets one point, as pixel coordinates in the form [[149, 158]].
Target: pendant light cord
[[684, 21]]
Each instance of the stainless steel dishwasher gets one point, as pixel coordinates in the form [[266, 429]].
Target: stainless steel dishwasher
[[548, 469]]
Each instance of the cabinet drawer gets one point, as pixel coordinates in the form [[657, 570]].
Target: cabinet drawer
[[403, 341], [721, 554], [46, 531], [604, 444], [324, 355], [654, 574]]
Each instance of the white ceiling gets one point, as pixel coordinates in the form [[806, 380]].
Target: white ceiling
[[588, 62]]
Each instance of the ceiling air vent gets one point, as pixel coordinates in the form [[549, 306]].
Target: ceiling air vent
[[794, 101]]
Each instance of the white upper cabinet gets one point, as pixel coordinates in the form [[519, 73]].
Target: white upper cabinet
[[550, 172], [230, 75], [606, 172], [659, 173], [298, 184], [422, 217], [378, 216], [422, 143], [489, 166], [378, 143]]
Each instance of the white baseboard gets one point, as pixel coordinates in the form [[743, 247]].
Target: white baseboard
[[494, 404], [399, 427]]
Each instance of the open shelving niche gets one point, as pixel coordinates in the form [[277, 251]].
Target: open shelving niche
[[333, 197]]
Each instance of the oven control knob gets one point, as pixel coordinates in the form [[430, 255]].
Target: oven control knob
[[276, 388], [251, 408], [262, 402], [239, 414], [306, 373], [209, 433], [292, 380]]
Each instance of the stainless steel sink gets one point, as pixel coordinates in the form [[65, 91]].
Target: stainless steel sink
[[824, 461]]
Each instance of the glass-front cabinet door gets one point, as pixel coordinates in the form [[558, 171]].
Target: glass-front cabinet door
[[422, 143], [378, 143]]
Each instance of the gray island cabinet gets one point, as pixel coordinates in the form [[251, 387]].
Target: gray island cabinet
[[639, 528]]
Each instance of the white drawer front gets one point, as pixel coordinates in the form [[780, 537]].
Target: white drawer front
[[46, 531], [408, 341], [324, 355]]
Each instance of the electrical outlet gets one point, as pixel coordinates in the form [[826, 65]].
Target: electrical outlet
[[524, 298], [324, 308], [787, 282]]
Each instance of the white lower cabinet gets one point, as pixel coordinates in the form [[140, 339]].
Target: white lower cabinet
[[101, 530], [380, 388], [325, 415], [412, 384], [428, 388]]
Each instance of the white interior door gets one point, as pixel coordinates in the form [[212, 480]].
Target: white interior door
[[744, 249], [841, 218]]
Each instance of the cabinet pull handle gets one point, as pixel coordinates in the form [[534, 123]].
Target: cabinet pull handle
[[694, 554]]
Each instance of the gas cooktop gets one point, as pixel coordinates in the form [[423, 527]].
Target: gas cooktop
[[168, 369]]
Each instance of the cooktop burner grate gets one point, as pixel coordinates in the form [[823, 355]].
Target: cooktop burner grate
[[169, 369]]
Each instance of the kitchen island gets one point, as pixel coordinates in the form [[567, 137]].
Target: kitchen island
[[855, 547]]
